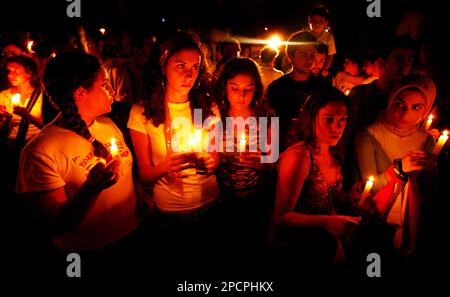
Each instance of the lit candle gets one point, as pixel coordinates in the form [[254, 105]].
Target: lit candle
[[347, 92], [195, 141], [102, 30], [30, 46], [366, 192], [242, 143], [113, 148], [441, 142], [429, 121], [15, 100]]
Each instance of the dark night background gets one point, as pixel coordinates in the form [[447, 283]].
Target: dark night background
[[350, 24]]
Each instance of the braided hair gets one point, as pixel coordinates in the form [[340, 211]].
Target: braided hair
[[64, 74]]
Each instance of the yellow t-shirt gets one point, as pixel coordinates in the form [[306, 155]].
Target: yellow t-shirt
[[181, 195], [36, 111], [61, 158]]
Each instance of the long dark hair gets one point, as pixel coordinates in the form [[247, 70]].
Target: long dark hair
[[231, 69], [303, 127], [64, 74], [154, 78]]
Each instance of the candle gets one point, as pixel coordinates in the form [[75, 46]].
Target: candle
[[15, 100], [113, 148], [366, 192], [441, 142], [30, 46], [429, 121], [347, 92], [195, 141], [102, 30], [242, 143]]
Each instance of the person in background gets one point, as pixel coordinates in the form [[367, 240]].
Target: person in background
[[319, 22], [268, 72]]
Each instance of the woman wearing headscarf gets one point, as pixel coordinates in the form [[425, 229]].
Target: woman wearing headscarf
[[396, 151]]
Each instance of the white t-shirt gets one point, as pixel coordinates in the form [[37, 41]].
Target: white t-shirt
[[181, 195], [61, 158], [36, 111], [269, 74]]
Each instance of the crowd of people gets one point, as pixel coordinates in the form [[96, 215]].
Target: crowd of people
[[94, 166]]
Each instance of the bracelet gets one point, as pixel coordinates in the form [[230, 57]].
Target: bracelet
[[399, 173]]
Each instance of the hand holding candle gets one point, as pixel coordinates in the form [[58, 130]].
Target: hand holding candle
[[366, 192], [441, 142]]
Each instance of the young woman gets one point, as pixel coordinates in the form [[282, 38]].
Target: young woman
[[396, 152], [310, 181], [246, 183], [75, 182], [178, 83]]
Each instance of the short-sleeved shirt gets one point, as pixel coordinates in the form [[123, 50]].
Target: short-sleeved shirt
[[58, 158], [182, 195]]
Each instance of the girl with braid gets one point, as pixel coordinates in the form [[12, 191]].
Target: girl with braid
[[78, 184]]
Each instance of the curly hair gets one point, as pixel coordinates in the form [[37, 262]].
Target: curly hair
[[231, 69], [64, 74], [303, 128], [154, 79]]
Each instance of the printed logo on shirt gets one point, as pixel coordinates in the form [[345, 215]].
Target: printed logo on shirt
[[88, 162]]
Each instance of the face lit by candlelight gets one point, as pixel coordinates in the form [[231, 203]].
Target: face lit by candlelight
[[303, 58], [181, 70], [240, 92], [98, 99], [407, 108], [330, 123], [318, 23], [318, 63], [17, 75]]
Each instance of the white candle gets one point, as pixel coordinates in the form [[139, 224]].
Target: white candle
[[429, 121], [441, 142], [15, 100], [366, 192], [113, 148]]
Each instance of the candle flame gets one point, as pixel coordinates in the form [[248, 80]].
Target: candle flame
[[445, 133], [347, 92], [430, 117], [371, 179], [102, 30], [30, 46], [113, 148], [15, 99]]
